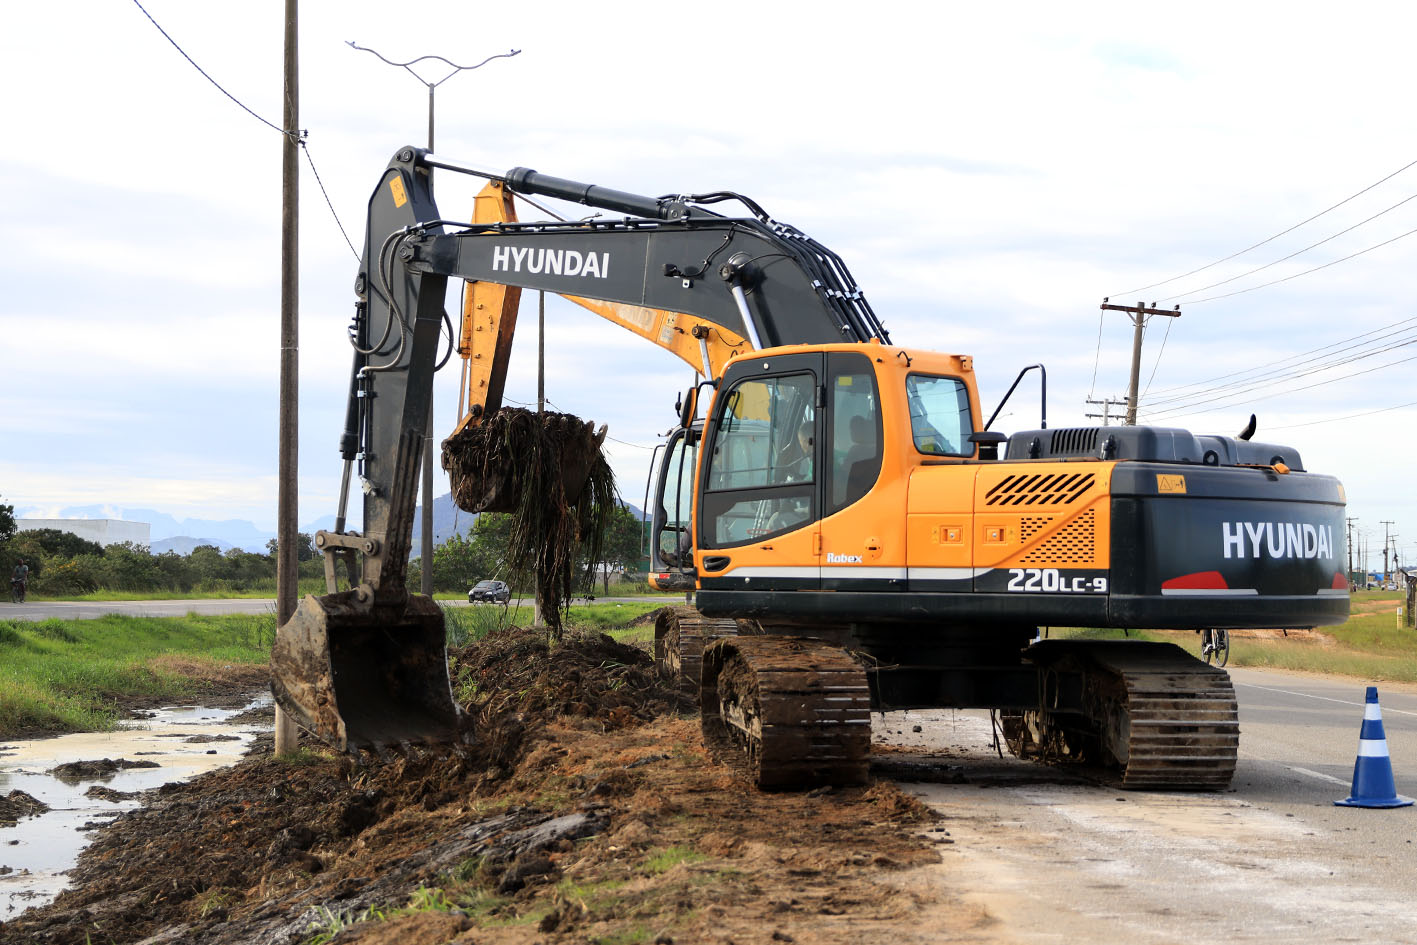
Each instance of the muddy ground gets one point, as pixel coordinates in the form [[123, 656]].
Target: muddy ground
[[588, 811]]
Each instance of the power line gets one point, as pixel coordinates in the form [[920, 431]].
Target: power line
[[1272, 238], [1205, 397], [1306, 272], [1289, 373], [214, 82], [300, 136], [1351, 416], [1157, 363], [1097, 357], [1297, 252], [1333, 380], [1302, 354]]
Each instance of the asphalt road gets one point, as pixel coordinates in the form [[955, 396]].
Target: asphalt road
[[1043, 857], [86, 610]]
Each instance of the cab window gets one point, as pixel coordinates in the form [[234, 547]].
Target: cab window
[[761, 475], [855, 429], [940, 422]]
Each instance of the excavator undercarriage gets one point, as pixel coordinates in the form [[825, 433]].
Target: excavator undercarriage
[[793, 707]]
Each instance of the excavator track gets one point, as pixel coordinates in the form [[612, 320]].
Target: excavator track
[[680, 636], [793, 712], [1165, 719]]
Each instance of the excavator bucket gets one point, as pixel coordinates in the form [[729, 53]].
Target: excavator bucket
[[358, 675]]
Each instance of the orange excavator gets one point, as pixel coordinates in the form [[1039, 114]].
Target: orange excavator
[[856, 536]]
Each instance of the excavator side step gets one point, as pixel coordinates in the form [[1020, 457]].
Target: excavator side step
[[798, 711]]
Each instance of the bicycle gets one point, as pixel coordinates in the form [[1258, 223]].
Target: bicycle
[[17, 592], [1215, 646]]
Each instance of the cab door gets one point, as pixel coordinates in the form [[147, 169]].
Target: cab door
[[760, 486]]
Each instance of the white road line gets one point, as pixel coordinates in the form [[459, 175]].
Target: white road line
[[1308, 695], [1318, 774]]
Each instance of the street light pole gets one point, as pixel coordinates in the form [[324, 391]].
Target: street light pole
[[426, 519]]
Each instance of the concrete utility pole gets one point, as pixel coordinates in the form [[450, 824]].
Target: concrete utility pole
[[287, 562], [425, 554], [1139, 314]]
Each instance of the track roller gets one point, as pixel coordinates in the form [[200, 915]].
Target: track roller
[[796, 711], [680, 636], [1164, 718]]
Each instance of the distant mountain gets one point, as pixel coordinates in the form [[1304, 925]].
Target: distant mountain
[[183, 545], [170, 534]]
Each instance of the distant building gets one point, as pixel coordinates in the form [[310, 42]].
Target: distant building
[[105, 531]]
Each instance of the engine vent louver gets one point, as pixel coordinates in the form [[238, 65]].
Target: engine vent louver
[[1040, 489], [1079, 441], [1074, 543]]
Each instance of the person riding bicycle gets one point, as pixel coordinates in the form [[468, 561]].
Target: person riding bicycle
[[21, 576]]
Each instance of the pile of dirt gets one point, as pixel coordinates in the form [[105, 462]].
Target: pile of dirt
[[587, 810], [72, 772], [18, 804], [547, 470]]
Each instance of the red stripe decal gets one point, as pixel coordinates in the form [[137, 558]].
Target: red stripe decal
[[1200, 581]]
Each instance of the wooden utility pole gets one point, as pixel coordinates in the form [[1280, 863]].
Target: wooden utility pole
[[287, 531], [1139, 314]]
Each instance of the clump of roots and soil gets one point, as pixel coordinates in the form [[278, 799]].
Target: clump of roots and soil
[[587, 810], [547, 470]]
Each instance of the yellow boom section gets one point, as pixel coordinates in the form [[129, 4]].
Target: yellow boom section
[[489, 320]]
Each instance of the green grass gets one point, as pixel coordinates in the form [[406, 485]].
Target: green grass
[[667, 859], [607, 616], [73, 675], [1370, 645]]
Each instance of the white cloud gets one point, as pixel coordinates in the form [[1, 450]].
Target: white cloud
[[988, 172]]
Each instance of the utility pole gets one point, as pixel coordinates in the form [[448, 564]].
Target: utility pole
[[536, 614], [1139, 314], [1386, 539], [425, 553], [1107, 403], [1351, 583], [287, 573]]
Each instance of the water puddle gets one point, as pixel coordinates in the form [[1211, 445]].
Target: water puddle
[[183, 741]]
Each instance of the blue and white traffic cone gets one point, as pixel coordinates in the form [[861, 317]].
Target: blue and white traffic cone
[[1372, 772]]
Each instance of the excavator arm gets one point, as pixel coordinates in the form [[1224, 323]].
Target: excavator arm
[[704, 286]]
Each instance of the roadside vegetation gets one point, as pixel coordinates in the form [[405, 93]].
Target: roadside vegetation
[[1374, 644], [82, 675], [64, 566]]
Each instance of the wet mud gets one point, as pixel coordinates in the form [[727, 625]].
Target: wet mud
[[586, 810]]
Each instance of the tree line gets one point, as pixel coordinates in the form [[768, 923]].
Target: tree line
[[63, 564]]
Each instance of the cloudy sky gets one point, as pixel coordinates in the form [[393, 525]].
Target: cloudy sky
[[989, 171]]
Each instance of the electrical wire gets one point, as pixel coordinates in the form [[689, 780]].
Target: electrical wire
[[1096, 358], [1203, 397], [1270, 239], [305, 146], [1295, 357], [300, 137], [1157, 363], [1297, 252], [1351, 416], [1333, 380], [1306, 272]]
